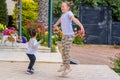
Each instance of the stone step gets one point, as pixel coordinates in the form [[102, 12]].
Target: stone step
[[9, 53], [21, 56], [22, 48]]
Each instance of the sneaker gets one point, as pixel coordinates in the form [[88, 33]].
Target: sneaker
[[32, 69], [62, 68], [29, 72], [66, 72]]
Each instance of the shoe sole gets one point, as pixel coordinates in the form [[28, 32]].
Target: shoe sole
[[29, 73]]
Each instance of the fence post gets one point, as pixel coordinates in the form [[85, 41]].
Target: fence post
[[50, 25], [20, 19]]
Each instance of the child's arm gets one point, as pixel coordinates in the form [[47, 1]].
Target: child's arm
[[37, 43], [57, 23], [75, 20]]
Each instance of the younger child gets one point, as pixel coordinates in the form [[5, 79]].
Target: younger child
[[68, 35], [32, 50]]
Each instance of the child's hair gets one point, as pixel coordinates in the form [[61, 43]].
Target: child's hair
[[68, 4], [32, 33]]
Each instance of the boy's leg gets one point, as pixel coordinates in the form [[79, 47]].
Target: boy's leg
[[32, 61]]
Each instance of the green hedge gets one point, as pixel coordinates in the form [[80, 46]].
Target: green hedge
[[3, 12]]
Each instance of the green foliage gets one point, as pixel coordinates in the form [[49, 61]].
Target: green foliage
[[16, 14], [78, 40], [36, 0], [113, 4], [116, 63], [3, 12], [55, 38], [2, 27], [45, 39], [29, 11], [57, 8], [25, 32], [53, 49]]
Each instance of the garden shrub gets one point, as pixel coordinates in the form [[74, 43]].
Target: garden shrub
[[3, 12], [116, 63], [2, 27]]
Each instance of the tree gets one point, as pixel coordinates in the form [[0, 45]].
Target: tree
[[3, 12], [43, 11]]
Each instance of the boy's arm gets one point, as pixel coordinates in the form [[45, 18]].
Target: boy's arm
[[37, 43], [76, 21]]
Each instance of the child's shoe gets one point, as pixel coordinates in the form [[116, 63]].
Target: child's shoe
[[66, 72], [62, 68], [32, 69], [30, 72]]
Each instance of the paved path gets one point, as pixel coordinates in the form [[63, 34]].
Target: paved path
[[47, 71]]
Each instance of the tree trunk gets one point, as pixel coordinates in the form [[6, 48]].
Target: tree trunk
[[43, 11]]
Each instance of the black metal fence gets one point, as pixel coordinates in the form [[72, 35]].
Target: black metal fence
[[97, 22], [99, 26], [116, 33]]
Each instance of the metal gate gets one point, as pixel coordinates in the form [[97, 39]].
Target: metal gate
[[116, 33], [97, 22]]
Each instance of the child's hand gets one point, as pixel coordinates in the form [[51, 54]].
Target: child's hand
[[82, 31], [41, 41], [54, 28]]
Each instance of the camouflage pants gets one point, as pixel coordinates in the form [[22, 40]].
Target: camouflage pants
[[66, 45]]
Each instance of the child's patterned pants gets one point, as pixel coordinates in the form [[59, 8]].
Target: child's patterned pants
[[66, 45]]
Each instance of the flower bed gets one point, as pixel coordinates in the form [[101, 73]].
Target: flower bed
[[40, 28]]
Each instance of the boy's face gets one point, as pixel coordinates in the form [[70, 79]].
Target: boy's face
[[64, 8]]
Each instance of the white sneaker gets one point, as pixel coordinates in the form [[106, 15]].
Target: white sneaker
[[66, 72], [62, 68]]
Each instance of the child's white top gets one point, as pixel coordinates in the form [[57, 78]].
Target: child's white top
[[66, 23], [32, 46]]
